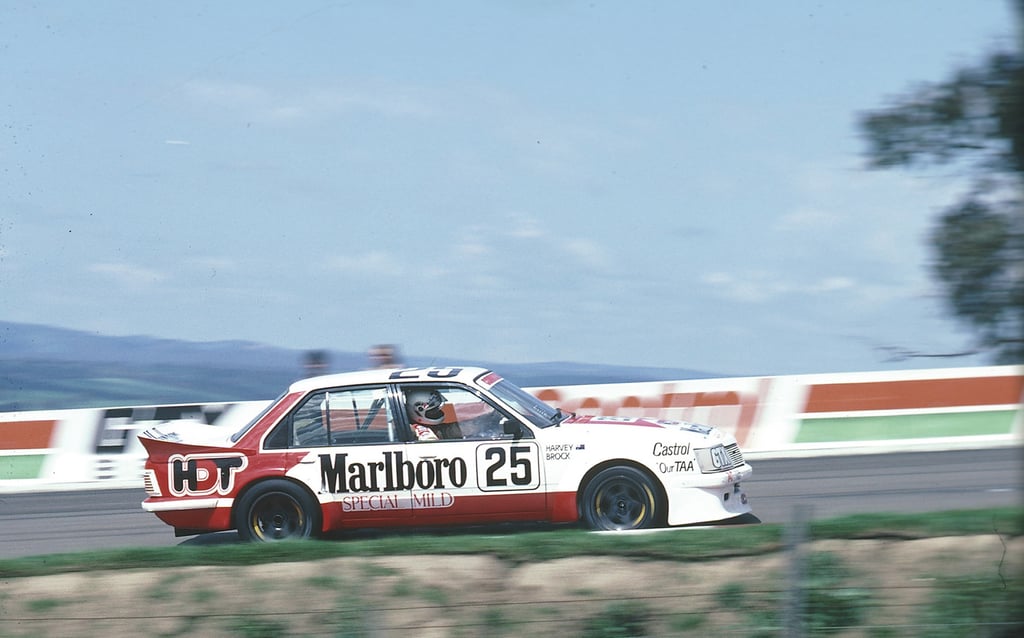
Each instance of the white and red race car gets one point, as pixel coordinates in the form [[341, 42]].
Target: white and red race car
[[434, 446]]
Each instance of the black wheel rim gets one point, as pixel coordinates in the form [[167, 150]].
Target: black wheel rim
[[276, 516], [622, 504]]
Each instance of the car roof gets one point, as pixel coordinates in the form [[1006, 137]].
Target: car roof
[[463, 374]]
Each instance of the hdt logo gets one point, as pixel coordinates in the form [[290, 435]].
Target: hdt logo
[[204, 474]]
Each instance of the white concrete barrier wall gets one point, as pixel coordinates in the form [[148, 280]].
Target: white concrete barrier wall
[[770, 416]]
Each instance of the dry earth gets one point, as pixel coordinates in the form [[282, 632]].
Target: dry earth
[[476, 595]]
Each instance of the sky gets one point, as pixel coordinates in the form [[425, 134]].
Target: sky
[[669, 184]]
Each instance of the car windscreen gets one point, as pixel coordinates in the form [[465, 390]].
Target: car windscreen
[[536, 411]]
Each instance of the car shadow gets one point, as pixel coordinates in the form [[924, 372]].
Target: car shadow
[[493, 529], [215, 538], [496, 529]]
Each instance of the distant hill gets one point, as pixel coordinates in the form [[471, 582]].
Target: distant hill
[[44, 367]]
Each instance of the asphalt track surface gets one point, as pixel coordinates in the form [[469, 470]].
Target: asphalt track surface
[[821, 487]]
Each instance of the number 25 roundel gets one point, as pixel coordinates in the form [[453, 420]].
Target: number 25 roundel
[[508, 468]]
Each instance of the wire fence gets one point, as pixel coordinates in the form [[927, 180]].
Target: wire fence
[[566, 616], [812, 594]]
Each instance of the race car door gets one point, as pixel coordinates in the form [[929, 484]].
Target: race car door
[[468, 469], [348, 451]]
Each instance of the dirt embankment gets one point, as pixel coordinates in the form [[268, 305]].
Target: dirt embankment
[[471, 595]]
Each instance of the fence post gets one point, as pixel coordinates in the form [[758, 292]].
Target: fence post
[[796, 535]]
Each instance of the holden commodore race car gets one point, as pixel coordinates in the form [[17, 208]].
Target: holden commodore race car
[[434, 446]]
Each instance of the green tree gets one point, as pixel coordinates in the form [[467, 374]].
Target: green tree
[[973, 123]]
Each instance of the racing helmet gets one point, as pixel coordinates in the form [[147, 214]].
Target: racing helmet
[[425, 407]]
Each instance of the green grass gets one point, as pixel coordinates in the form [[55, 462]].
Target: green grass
[[166, 586], [691, 545], [1007, 521], [323, 582], [45, 605], [960, 606], [255, 627], [619, 619]]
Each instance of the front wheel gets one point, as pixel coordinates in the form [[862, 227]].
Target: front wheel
[[621, 498], [277, 510]]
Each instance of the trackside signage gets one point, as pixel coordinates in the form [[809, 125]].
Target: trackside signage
[[97, 448]]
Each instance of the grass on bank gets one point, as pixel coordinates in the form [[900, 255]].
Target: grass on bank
[[531, 544]]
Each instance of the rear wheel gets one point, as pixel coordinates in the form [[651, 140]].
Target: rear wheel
[[277, 510], [619, 498]]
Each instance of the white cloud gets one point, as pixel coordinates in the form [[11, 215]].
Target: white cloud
[[832, 284], [374, 262], [128, 274], [227, 94], [388, 100], [220, 263], [481, 282], [287, 105], [469, 247], [212, 266], [762, 286], [803, 219], [525, 227], [752, 288], [587, 253]]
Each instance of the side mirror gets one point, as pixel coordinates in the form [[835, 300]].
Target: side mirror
[[511, 428]]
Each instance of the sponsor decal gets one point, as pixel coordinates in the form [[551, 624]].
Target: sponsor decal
[[432, 500], [393, 473], [500, 468], [489, 380], [671, 449], [373, 503], [386, 501], [668, 453], [204, 474], [678, 465]]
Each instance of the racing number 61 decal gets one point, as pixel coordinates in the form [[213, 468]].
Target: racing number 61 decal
[[508, 467]]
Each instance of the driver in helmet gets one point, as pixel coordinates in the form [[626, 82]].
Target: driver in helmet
[[426, 416]]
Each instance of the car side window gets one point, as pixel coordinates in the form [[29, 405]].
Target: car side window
[[339, 417], [445, 413], [362, 415], [309, 423]]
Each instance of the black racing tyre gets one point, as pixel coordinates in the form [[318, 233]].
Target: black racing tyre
[[277, 510], [621, 497]]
